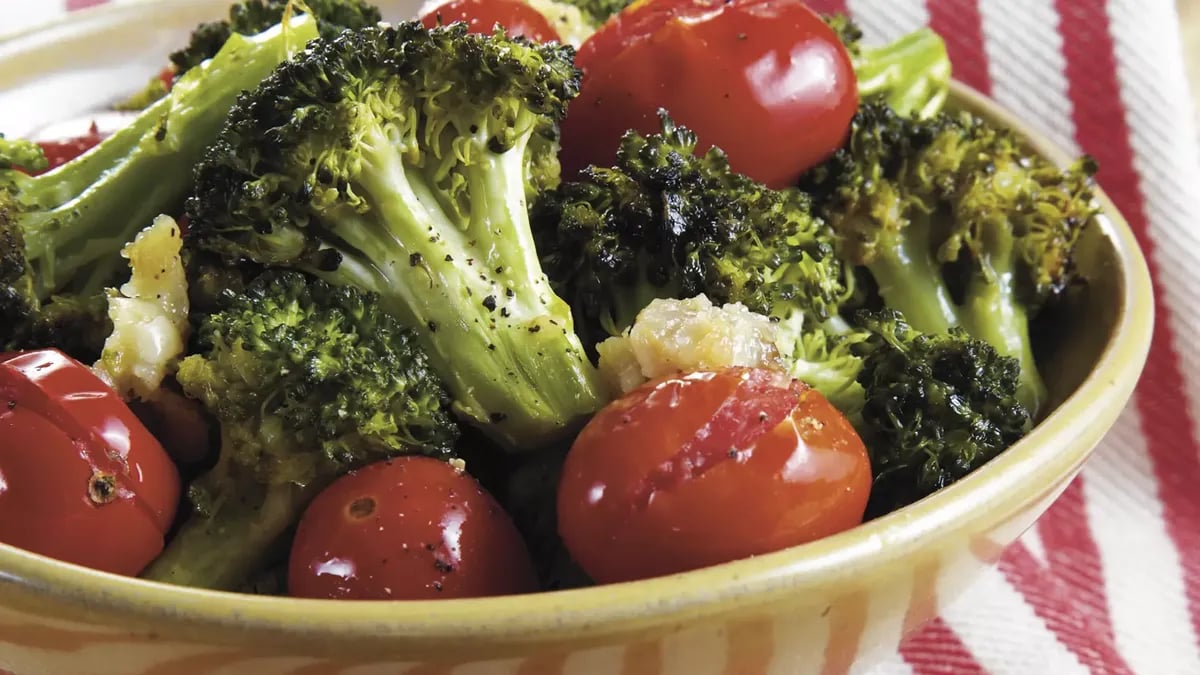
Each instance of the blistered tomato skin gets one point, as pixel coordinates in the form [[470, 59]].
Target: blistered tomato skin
[[767, 81], [411, 528], [705, 468], [81, 479]]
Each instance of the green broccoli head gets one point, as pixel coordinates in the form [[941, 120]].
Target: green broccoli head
[[958, 223], [307, 381], [936, 408], [398, 160], [665, 223], [249, 17]]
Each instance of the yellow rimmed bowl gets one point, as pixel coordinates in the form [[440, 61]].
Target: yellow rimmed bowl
[[826, 607]]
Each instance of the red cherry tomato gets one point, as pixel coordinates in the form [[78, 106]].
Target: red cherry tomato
[[81, 479], [700, 469], [59, 152], [411, 528], [767, 81], [481, 16]]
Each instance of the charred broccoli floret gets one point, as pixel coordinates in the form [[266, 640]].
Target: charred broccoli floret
[[307, 381], [665, 223], [936, 408], [958, 223]]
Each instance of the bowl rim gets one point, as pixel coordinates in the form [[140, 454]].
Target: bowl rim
[[633, 606]]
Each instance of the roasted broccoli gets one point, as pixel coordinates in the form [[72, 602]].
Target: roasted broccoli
[[937, 407], [398, 160], [958, 223], [665, 223], [307, 381], [249, 17], [61, 232], [911, 74]]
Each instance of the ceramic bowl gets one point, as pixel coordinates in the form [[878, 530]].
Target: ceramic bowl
[[824, 607]]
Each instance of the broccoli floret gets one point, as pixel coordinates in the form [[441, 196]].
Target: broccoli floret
[[937, 407], [307, 381], [61, 232], [823, 357], [911, 74], [22, 154], [665, 223], [398, 160], [250, 17], [958, 223]]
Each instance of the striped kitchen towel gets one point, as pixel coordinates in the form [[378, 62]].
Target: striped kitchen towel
[[1109, 580]]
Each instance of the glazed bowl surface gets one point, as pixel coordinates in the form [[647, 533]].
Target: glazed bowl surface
[[831, 606]]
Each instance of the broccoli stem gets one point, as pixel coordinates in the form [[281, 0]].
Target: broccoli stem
[[910, 280], [993, 313], [108, 195], [912, 73], [224, 551], [502, 341]]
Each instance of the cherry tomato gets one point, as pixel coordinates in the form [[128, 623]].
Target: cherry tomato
[[59, 152], [481, 16], [410, 528], [81, 479], [767, 81], [699, 469]]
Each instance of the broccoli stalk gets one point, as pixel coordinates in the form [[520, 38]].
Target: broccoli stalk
[[399, 160], [911, 74], [308, 381], [61, 232], [958, 223]]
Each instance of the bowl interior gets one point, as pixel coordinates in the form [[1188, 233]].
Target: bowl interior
[[1091, 355]]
